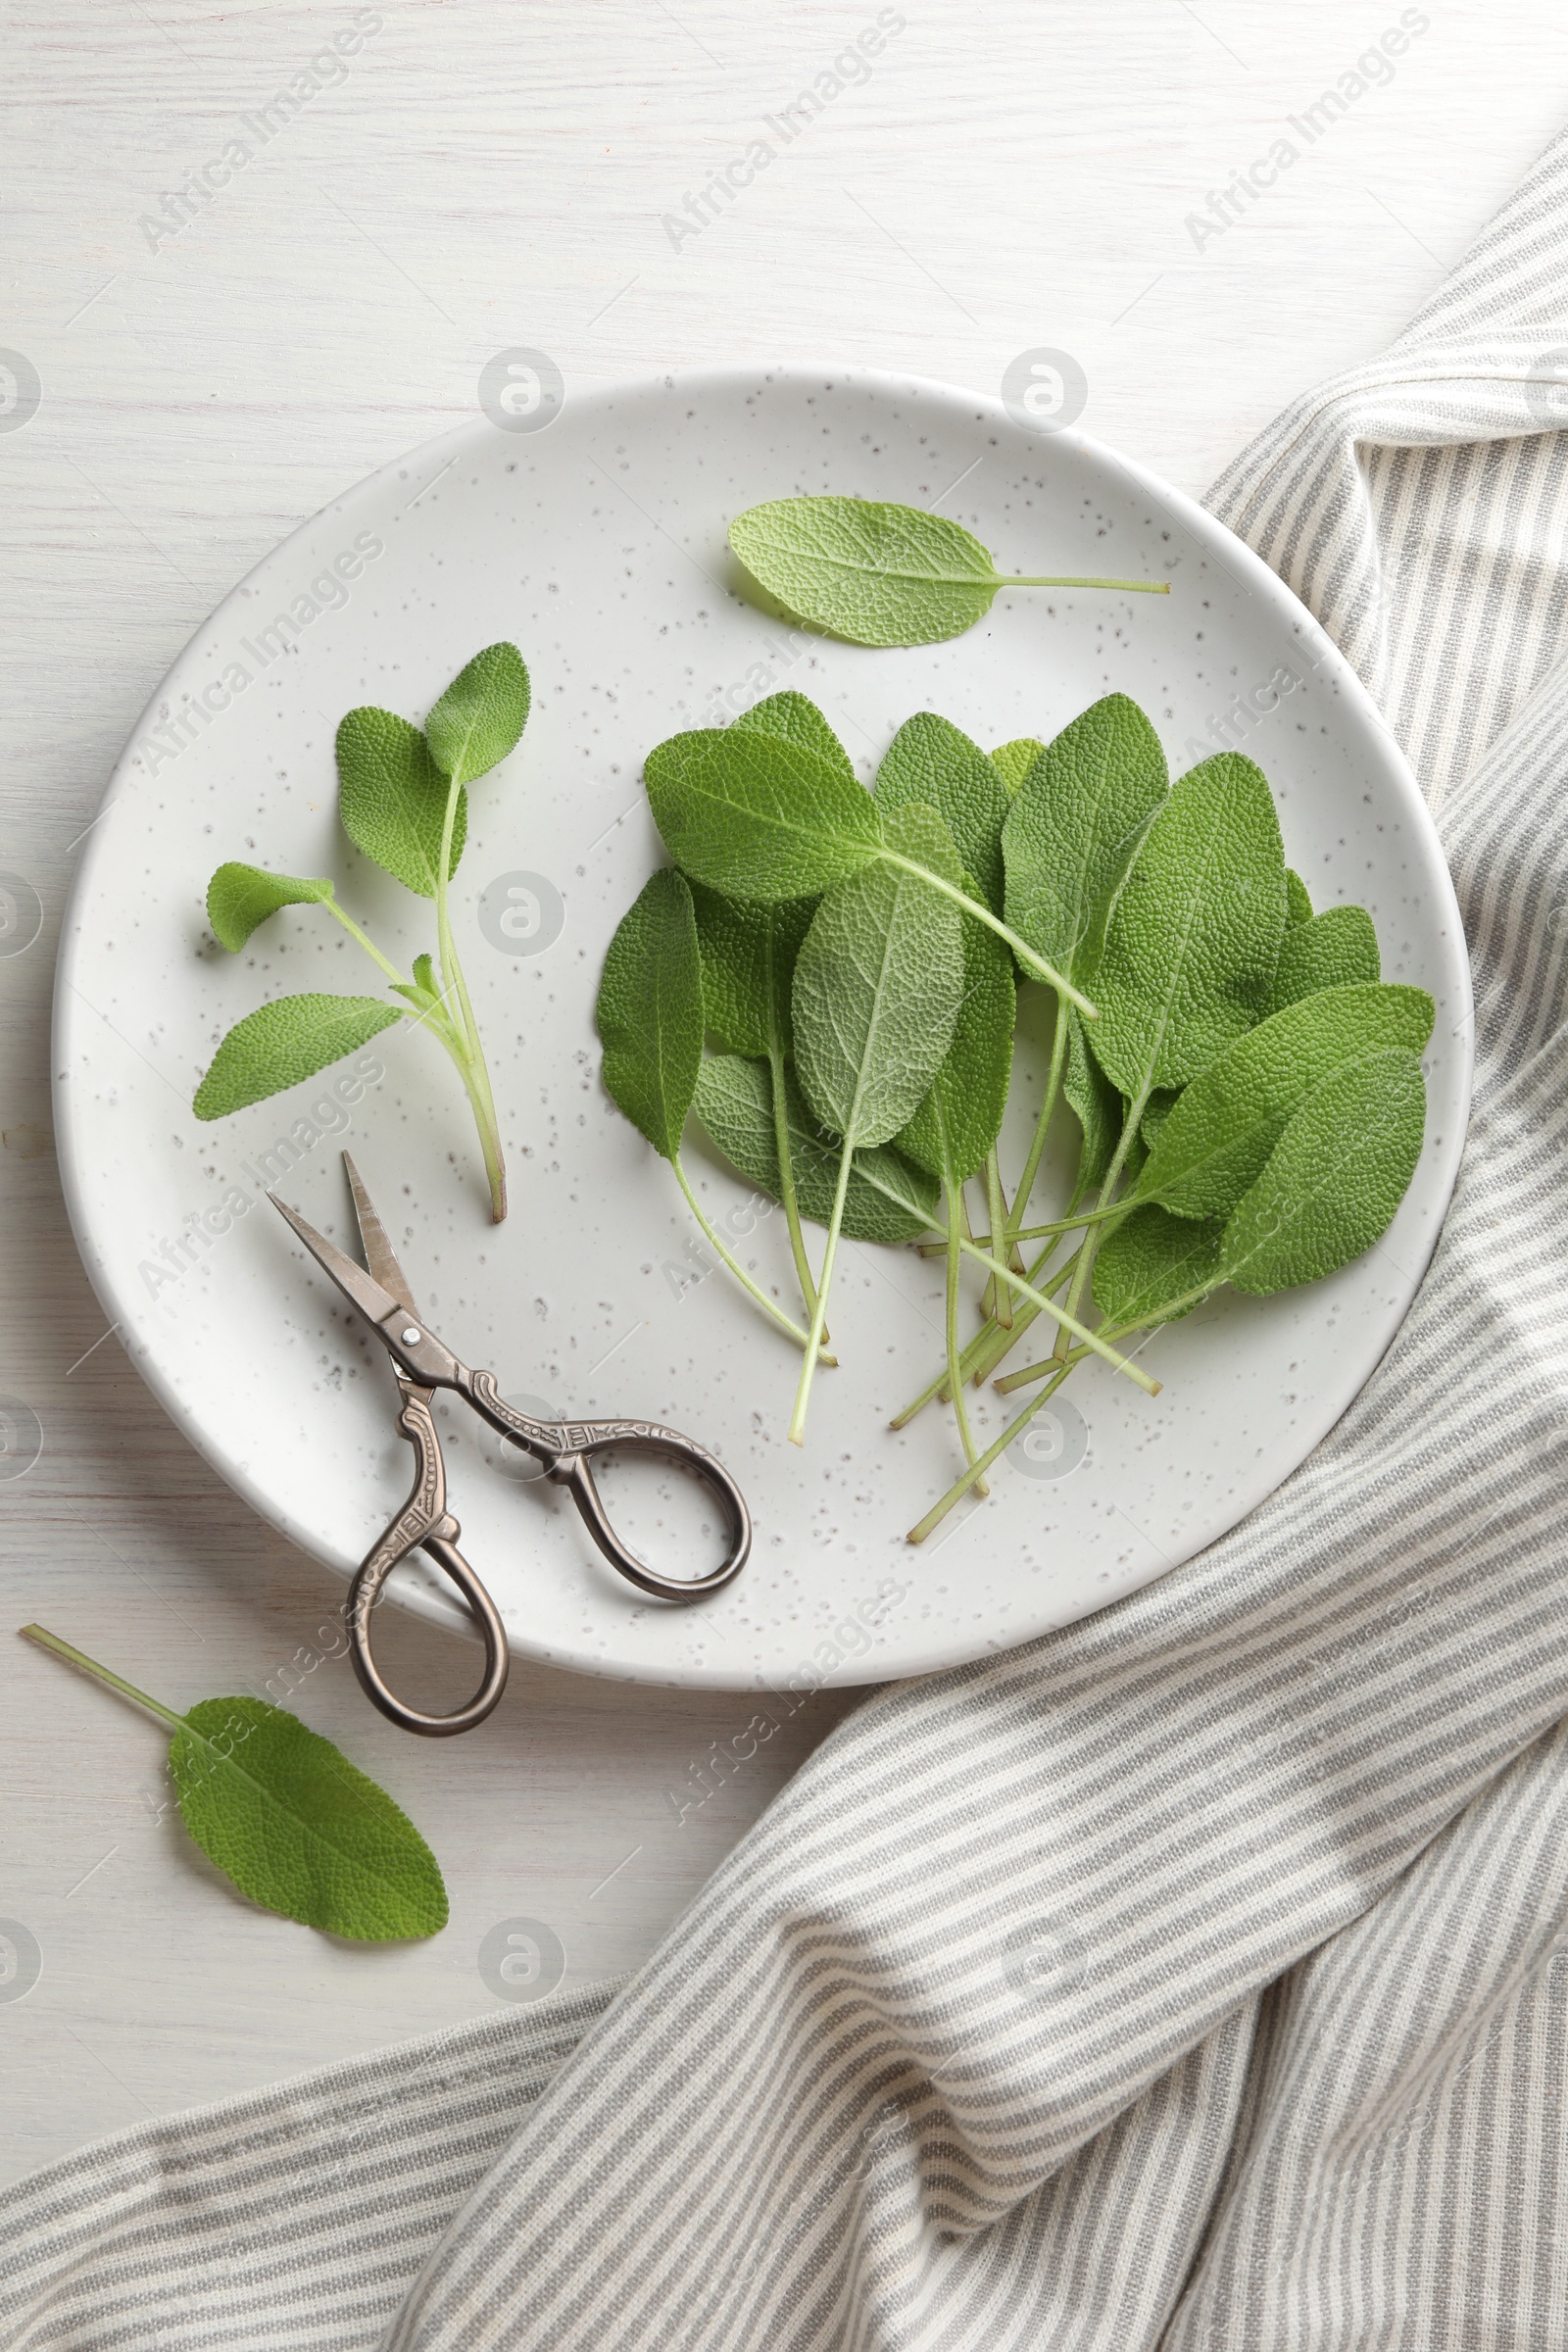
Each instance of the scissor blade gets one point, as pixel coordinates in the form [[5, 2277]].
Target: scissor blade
[[362, 1290], [379, 1255]]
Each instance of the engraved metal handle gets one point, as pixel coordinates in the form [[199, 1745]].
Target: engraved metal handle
[[565, 1448], [424, 1524]]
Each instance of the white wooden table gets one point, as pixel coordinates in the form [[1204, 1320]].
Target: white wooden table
[[470, 176]]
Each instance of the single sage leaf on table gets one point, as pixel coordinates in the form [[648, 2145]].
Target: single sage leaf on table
[[481, 715], [392, 797], [287, 1817], [879, 574], [934, 762], [1013, 760], [239, 897], [1195, 934], [798, 720], [1074, 828], [651, 1011], [1334, 1178], [1330, 950], [888, 1200], [279, 1044], [960, 1117], [1213, 1144], [758, 817]]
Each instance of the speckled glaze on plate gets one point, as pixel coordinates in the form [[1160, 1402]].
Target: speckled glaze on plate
[[598, 545]]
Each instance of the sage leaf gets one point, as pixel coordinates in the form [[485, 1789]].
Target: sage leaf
[[1100, 1108], [279, 1044], [1157, 1111], [758, 817], [907, 1192], [1332, 949], [748, 957], [1013, 760], [873, 573], [649, 1011], [481, 715], [1195, 934], [877, 995], [392, 797], [798, 720], [1213, 1144], [961, 1116], [1074, 827], [932, 762], [285, 1816], [1297, 898], [239, 897], [649, 1017], [879, 575], [888, 1200], [1334, 1178], [1148, 1268]]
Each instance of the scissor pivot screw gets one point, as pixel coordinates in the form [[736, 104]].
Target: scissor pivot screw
[[411, 1337]]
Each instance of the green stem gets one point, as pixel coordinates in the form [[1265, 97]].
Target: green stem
[[797, 1430], [1051, 579], [994, 1343], [997, 1209], [476, 1086], [1105, 1197], [1037, 1149], [463, 1045], [77, 1657], [768, 1305], [960, 1407], [977, 1470], [1068, 1322], [477, 1076], [786, 1182], [1035, 1233], [987, 1347], [983, 914]]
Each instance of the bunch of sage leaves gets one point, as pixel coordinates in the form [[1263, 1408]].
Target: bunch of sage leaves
[[1245, 1090], [403, 800]]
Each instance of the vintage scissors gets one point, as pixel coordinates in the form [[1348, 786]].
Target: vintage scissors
[[420, 1365]]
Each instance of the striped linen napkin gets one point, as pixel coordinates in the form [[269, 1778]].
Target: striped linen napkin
[[1191, 1977]]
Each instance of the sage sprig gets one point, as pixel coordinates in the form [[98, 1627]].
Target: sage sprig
[[403, 800], [1244, 1089]]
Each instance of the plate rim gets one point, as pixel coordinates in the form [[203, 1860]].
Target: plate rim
[[1215, 539]]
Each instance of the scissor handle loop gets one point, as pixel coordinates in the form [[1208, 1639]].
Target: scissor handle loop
[[565, 1447], [424, 1524]]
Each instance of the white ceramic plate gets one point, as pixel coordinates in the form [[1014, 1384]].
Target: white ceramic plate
[[598, 545]]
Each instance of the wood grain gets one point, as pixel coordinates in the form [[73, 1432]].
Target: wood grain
[[482, 175]]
